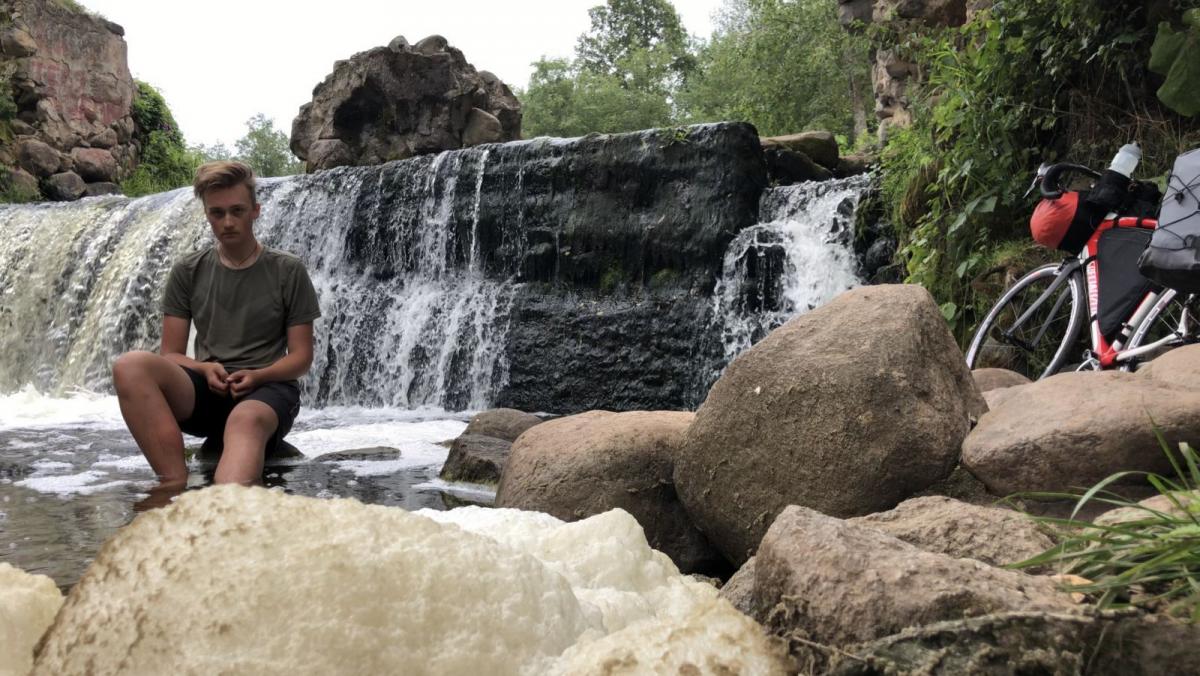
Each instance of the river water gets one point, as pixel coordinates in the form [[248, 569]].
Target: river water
[[403, 358]]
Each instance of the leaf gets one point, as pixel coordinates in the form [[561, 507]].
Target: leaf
[[958, 223], [961, 269], [949, 310]]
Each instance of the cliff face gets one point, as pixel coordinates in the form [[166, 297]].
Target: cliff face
[[891, 71], [70, 134]]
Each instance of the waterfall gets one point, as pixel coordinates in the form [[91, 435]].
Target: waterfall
[[409, 318], [465, 278], [799, 256]]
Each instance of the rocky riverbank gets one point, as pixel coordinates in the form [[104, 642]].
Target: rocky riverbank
[[847, 467]]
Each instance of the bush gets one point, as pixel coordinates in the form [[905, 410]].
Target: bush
[[164, 162], [1026, 82]]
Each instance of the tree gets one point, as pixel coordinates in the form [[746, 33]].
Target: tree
[[164, 163], [782, 65], [266, 149], [564, 100], [621, 28]]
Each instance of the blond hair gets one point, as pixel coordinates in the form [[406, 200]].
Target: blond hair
[[223, 174]]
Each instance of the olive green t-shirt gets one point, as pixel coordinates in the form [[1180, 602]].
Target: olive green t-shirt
[[241, 316]]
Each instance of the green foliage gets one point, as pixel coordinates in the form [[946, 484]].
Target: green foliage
[[1173, 55], [783, 66], [612, 278], [1026, 82], [266, 149], [622, 28], [1151, 560], [164, 163], [563, 100]]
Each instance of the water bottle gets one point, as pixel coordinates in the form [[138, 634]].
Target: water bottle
[[1126, 160]]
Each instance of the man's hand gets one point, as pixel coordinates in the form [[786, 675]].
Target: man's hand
[[218, 379], [243, 382]]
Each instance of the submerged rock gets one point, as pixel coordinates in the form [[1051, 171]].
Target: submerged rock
[[501, 423], [27, 607], [475, 458], [848, 409], [273, 583], [585, 464]]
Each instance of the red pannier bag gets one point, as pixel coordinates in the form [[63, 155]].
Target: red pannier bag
[[1065, 223]]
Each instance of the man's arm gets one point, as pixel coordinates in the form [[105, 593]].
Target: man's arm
[[174, 348], [292, 366]]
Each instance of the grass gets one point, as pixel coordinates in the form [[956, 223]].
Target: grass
[[1151, 560]]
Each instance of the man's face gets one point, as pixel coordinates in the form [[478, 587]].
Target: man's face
[[231, 213]]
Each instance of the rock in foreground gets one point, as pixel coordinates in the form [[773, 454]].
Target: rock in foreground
[[580, 465], [334, 586], [837, 582], [27, 607], [847, 409], [1069, 431]]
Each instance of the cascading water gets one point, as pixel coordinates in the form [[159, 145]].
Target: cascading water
[[409, 318], [798, 257]]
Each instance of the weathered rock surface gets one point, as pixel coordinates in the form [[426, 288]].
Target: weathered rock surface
[[1179, 368], [393, 102], [585, 464], [94, 164], [64, 186], [848, 409], [786, 167], [837, 582], [501, 423], [1177, 505], [72, 86], [943, 525], [476, 458], [820, 146], [28, 604], [1071, 430], [383, 589], [1031, 643], [993, 379], [739, 590]]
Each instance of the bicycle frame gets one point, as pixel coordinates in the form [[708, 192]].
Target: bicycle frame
[[1102, 354]]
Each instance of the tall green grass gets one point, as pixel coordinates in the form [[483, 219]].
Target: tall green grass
[[1150, 561]]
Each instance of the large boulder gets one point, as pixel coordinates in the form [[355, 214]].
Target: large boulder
[[993, 379], [943, 525], [848, 409], [384, 591], [476, 459], [38, 158], [820, 146], [389, 103], [585, 464], [501, 423], [64, 186], [95, 165], [1179, 367], [837, 582], [1026, 642], [1071, 430], [28, 604]]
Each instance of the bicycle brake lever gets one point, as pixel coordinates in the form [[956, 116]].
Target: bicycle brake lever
[[1037, 179]]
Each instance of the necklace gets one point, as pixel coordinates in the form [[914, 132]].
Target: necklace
[[238, 264]]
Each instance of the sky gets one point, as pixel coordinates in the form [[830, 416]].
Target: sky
[[220, 62]]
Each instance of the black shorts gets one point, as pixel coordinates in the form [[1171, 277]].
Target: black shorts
[[212, 410]]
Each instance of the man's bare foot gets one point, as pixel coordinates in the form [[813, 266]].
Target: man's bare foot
[[161, 495]]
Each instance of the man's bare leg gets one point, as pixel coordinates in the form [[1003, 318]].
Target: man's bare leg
[[155, 394], [247, 431]]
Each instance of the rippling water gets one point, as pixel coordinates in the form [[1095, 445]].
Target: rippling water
[[70, 474]]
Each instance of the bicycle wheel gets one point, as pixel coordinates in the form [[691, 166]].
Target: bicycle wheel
[[1043, 343], [1175, 316]]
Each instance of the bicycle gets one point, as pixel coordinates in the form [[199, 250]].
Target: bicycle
[[1034, 327]]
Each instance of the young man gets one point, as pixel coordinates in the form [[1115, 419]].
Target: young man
[[253, 308]]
